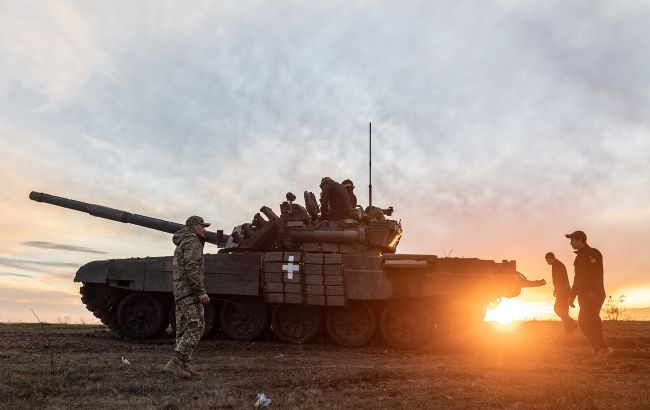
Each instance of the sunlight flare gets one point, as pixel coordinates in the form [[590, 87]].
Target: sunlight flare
[[510, 310]]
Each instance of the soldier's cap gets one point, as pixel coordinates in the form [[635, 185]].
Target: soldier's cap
[[347, 182], [194, 219], [577, 235]]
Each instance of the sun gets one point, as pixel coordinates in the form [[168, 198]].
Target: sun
[[511, 310]]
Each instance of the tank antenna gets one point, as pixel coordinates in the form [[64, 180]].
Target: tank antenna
[[370, 165]]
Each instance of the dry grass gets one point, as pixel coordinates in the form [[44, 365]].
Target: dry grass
[[528, 366]]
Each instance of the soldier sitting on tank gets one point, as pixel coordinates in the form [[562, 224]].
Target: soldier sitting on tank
[[334, 201]]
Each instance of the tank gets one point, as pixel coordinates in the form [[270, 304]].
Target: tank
[[297, 275]]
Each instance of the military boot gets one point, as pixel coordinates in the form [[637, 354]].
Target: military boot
[[191, 371], [175, 367]]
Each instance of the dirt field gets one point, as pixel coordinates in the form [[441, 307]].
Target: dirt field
[[530, 365]]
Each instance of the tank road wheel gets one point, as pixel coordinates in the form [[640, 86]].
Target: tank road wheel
[[243, 318], [405, 324], [209, 316], [351, 326], [140, 316], [296, 323]]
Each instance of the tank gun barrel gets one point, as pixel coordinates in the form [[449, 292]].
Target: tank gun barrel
[[217, 238]]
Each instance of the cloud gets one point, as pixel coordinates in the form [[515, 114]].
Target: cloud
[[59, 246], [55, 57], [18, 275], [447, 85], [35, 265]]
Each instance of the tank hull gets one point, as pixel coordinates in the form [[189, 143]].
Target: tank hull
[[308, 287]]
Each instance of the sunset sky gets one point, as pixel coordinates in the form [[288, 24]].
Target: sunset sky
[[498, 126]]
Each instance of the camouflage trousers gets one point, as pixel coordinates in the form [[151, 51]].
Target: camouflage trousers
[[189, 327]]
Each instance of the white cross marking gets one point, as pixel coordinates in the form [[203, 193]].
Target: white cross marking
[[290, 268]]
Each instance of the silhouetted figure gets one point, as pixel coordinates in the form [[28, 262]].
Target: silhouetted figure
[[561, 289], [349, 188], [588, 286], [334, 201]]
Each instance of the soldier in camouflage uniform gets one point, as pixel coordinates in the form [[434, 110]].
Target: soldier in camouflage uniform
[[189, 294]]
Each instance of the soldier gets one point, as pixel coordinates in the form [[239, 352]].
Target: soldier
[[349, 188], [334, 201], [588, 286], [561, 290], [189, 294]]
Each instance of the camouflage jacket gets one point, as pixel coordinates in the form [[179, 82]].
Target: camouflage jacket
[[189, 268]]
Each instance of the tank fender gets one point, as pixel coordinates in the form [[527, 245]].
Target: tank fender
[[92, 272], [127, 273]]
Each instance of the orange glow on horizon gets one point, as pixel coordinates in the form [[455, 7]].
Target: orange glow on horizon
[[636, 297]]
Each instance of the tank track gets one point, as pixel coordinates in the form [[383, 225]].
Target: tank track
[[102, 301], [99, 300]]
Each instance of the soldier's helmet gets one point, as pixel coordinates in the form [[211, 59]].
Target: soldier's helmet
[[348, 184], [323, 181], [195, 219]]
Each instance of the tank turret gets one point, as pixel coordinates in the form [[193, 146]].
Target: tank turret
[[300, 228]]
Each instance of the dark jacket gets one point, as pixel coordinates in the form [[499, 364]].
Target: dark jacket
[[588, 267], [560, 279], [188, 265], [334, 201], [352, 197]]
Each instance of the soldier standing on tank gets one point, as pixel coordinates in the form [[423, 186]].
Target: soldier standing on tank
[[561, 290], [334, 201], [189, 294], [349, 188], [589, 287]]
